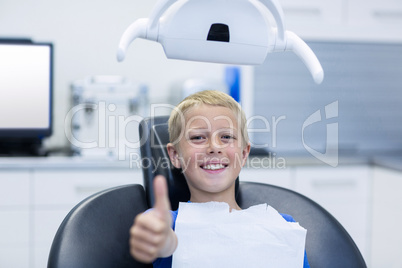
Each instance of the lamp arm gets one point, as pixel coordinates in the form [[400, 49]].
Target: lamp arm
[[160, 8], [276, 10]]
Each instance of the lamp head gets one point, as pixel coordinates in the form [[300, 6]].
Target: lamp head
[[213, 31]]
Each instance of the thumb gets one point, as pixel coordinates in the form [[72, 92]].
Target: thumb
[[162, 203]]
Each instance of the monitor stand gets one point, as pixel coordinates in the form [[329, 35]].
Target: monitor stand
[[21, 147]]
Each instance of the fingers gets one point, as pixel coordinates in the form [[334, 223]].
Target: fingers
[[150, 223], [146, 239], [143, 252], [141, 256], [162, 203]]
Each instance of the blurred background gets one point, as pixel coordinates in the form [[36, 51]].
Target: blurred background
[[356, 173]]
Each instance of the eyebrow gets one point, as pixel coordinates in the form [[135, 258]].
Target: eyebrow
[[221, 129]]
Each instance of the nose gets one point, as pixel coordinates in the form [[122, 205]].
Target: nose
[[215, 146]]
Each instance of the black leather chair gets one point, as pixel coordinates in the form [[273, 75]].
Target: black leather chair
[[95, 232]]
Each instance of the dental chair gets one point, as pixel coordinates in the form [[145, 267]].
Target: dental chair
[[96, 232]]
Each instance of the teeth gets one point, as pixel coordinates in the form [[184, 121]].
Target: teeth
[[213, 166]]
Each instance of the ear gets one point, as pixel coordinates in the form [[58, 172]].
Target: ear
[[245, 153], [173, 155]]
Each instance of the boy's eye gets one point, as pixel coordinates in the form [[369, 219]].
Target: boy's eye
[[228, 137], [197, 138]]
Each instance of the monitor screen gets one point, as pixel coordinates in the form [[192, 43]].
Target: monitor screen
[[25, 89]]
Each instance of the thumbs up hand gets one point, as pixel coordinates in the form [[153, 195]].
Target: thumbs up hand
[[151, 235], [162, 203]]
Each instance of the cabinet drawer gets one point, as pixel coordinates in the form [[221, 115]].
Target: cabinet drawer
[[14, 188], [45, 226], [11, 256], [65, 187], [277, 177], [312, 12], [342, 184], [14, 229], [14, 238], [386, 218], [345, 193], [387, 13]]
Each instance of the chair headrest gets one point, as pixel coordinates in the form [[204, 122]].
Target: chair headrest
[[154, 137]]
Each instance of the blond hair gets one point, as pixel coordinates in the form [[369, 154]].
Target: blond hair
[[209, 97]]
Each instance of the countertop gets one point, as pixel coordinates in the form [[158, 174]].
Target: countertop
[[76, 162], [394, 163]]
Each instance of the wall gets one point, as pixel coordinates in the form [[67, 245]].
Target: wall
[[360, 97]]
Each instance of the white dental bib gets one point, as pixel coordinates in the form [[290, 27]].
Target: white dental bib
[[211, 236]]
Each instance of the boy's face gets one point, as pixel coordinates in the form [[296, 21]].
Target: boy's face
[[210, 152]]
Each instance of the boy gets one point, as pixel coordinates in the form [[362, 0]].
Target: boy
[[209, 142]]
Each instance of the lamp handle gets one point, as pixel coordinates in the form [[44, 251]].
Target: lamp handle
[[304, 52], [138, 29]]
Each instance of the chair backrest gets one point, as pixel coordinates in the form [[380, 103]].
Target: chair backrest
[[95, 233], [327, 243]]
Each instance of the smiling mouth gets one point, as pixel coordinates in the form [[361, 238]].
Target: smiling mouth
[[213, 166]]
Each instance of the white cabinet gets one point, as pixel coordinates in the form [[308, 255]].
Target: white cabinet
[[44, 227], [279, 177], [314, 19], [369, 13], [35, 200], [14, 238], [64, 187], [380, 20], [343, 191], [313, 12], [386, 218], [14, 218], [57, 191], [371, 20], [15, 192]]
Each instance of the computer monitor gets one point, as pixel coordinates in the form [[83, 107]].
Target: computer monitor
[[26, 79]]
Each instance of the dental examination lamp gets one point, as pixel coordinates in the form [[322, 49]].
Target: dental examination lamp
[[237, 32]]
